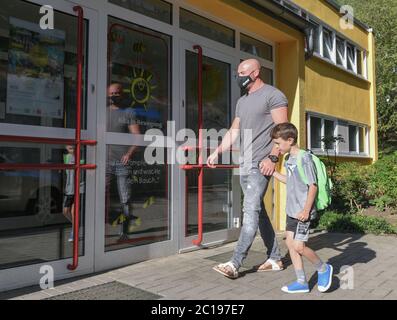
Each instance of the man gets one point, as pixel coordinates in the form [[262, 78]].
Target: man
[[260, 109], [121, 119]]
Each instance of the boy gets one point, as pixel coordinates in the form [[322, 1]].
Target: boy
[[68, 204], [300, 209]]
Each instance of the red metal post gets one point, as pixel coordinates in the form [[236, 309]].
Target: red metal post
[[76, 225], [198, 241]]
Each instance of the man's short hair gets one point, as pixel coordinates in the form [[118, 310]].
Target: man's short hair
[[285, 131]]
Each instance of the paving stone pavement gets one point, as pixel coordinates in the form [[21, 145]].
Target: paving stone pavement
[[365, 268]]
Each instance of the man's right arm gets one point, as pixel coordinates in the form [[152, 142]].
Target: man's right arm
[[228, 140], [230, 137]]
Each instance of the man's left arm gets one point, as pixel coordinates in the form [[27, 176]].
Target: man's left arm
[[279, 115]]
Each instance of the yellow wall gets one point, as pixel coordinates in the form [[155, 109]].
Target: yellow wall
[[337, 93]]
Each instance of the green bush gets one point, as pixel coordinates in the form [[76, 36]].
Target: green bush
[[353, 223], [382, 182], [350, 190]]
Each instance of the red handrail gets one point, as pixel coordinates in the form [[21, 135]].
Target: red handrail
[[43, 166], [45, 140], [79, 78], [200, 166], [198, 241]]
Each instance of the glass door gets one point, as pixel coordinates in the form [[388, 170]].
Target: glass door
[[134, 206], [220, 204], [38, 106]]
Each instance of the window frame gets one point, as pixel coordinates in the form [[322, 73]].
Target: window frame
[[333, 52], [337, 123]]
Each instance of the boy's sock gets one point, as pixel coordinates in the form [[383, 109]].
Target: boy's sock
[[301, 276], [320, 266]]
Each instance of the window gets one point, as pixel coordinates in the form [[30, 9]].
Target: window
[[37, 79], [266, 75], [334, 47], [327, 134], [315, 133], [256, 48], [360, 62], [206, 28], [328, 46], [340, 51], [139, 191], [156, 9], [140, 74], [352, 138], [316, 38], [36, 205], [361, 138], [351, 59]]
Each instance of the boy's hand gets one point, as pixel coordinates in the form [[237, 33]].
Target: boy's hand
[[303, 216]]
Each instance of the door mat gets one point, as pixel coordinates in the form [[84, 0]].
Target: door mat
[[109, 291]]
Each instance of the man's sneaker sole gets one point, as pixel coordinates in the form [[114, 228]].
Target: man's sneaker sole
[[325, 289]]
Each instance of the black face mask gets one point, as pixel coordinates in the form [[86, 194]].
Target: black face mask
[[244, 81], [116, 100]]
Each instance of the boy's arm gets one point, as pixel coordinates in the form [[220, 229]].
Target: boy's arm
[[280, 177], [311, 196]]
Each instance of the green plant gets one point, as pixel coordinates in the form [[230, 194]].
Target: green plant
[[353, 223], [350, 190], [382, 183], [331, 142]]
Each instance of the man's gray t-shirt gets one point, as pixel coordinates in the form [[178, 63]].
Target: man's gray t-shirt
[[254, 111], [119, 120], [297, 190]]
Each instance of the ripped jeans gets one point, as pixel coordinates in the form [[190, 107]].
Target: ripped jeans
[[254, 186]]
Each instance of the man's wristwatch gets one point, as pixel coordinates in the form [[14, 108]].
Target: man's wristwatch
[[273, 158]]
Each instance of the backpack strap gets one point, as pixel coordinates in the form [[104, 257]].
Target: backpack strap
[[300, 167]]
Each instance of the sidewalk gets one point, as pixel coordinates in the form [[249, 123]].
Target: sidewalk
[[189, 275]]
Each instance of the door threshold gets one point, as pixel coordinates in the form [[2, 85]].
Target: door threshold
[[208, 245]]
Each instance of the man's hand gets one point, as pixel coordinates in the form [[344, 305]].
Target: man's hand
[[303, 216], [125, 158], [267, 167], [211, 159]]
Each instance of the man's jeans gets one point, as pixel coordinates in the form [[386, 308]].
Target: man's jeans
[[254, 186]]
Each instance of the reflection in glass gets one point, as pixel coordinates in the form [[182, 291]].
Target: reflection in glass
[[156, 9], [206, 28], [362, 139], [139, 78], [216, 200], [36, 205], [329, 133], [352, 138], [266, 75], [256, 47], [216, 93], [136, 200], [315, 132], [38, 67]]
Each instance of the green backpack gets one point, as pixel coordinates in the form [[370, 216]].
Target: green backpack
[[324, 183]]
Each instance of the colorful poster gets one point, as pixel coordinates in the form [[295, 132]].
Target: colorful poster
[[35, 80]]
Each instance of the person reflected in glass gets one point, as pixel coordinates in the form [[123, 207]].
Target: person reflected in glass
[[121, 119]]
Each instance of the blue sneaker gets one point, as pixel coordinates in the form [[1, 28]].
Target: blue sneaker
[[296, 287], [325, 279]]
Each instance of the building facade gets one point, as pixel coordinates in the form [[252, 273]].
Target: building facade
[[149, 51]]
